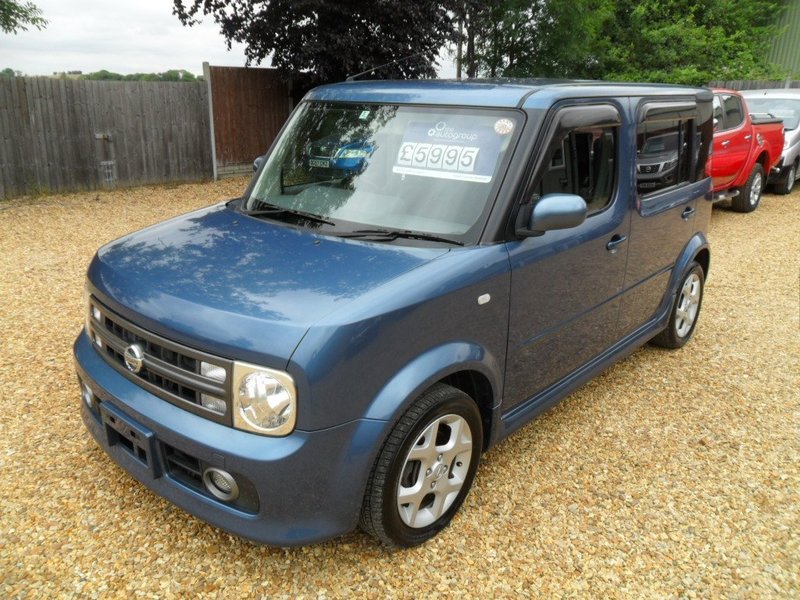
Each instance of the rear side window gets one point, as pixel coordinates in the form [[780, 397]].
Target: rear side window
[[728, 112], [663, 155], [673, 142], [583, 163]]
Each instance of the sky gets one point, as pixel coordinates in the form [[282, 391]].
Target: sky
[[140, 36]]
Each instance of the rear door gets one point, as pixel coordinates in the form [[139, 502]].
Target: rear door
[[732, 140], [565, 283], [664, 219]]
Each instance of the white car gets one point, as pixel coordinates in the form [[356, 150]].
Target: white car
[[783, 104]]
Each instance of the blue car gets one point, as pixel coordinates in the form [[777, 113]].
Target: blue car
[[334, 158], [325, 353]]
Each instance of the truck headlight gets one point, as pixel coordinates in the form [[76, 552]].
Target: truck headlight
[[264, 400]]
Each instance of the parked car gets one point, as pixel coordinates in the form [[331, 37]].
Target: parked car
[[746, 149], [317, 355], [785, 105], [657, 162]]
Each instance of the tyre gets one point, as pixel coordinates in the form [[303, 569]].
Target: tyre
[[425, 469], [785, 184], [685, 310], [750, 195]]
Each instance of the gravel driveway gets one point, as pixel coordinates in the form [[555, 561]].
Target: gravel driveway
[[673, 474]]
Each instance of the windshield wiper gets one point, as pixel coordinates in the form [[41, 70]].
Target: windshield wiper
[[274, 209], [392, 234]]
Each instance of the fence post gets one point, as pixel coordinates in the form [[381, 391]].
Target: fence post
[[207, 77]]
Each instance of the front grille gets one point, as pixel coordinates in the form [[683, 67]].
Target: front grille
[[648, 168], [168, 370]]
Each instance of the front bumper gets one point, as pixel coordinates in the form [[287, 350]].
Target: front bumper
[[308, 486]]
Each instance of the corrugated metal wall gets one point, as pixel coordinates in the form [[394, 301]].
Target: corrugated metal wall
[[249, 108], [786, 48]]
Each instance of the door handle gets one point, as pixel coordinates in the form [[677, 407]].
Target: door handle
[[615, 242], [687, 212], [748, 137], [725, 143]]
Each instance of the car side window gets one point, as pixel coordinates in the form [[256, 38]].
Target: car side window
[[728, 112], [584, 162], [663, 155], [673, 143]]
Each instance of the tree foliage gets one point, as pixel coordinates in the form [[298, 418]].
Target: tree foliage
[[16, 16], [675, 41], [331, 40], [171, 75]]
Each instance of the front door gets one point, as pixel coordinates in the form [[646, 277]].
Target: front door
[[565, 283]]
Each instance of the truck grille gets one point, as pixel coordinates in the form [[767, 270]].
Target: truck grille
[[168, 369]]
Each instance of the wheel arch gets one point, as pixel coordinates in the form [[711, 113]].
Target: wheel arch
[[462, 365]]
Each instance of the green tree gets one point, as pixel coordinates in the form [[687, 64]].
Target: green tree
[[171, 75], [16, 16], [331, 40], [672, 41]]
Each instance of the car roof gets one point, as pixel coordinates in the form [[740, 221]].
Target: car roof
[[501, 93]]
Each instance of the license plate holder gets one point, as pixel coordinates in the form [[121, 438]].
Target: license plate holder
[[134, 439]]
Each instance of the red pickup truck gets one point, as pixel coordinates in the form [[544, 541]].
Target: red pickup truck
[[746, 147]]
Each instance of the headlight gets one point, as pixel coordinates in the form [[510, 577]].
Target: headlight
[[353, 153], [264, 400]]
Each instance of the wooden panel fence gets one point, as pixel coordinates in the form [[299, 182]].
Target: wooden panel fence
[[61, 135], [250, 106]]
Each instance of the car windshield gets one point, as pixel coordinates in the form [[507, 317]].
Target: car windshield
[[350, 167], [787, 109]]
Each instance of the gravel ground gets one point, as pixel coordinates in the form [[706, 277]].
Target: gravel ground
[[673, 474]]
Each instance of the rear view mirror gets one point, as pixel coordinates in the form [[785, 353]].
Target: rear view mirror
[[555, 211], [257, 163]]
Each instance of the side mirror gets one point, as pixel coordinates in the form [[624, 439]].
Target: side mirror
[[554, 211], [257, 163]]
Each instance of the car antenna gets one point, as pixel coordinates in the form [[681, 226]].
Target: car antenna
[[389, 64]]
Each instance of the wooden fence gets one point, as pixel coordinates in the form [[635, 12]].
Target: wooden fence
[[63, 135], [249, 108], [755, 84]]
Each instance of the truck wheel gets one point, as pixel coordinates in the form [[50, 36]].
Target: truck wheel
[[425, 469], [750, 195], [786, 183], [685, 310]]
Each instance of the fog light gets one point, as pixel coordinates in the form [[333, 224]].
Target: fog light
[[87, 395], [213, 372], [212, 403], [221, 484]]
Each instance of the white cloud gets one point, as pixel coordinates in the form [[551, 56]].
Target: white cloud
[[125, 37]]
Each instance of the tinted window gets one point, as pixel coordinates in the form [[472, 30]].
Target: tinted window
[[728, 112], [582, 163], [663, 156]]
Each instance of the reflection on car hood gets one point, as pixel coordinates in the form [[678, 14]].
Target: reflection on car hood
[[238, 286]]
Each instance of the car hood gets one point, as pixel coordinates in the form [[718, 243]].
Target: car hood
[[238, 286]]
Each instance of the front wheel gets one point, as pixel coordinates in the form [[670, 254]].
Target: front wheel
[[425, 469], [785, 184], [750, 195], [685, 310]]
